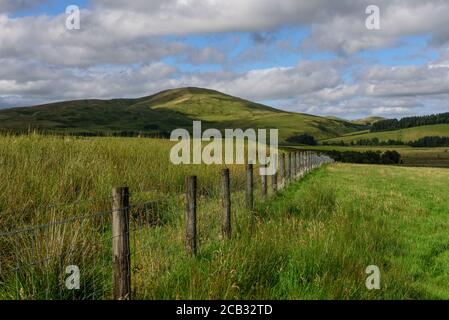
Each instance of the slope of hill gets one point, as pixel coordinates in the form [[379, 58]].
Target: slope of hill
[[368, 120], [405, 135], [165, 111]]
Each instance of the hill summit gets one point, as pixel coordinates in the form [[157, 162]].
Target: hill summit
[[165, 111]]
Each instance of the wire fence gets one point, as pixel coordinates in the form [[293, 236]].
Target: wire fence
[[111, 254]]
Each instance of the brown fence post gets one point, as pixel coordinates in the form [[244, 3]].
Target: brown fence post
[[190, 215], [292, 165], [287, 168], [121, 257], [274, 183], [274, 176], [226, 202], [263, 180], [282, 169], [303, 163], [298, 163], [249, 186], [308, 160]]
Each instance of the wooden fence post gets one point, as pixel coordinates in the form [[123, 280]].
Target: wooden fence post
[[190, 215], [287, 168], [308, 161], [274, 176], [282, 169], [249, 186], [121, 257], [298, 163], [226, 202], [292, 165], [263, 180]]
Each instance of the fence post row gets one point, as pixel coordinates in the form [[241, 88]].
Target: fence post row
[[226, 202], [190, 215], [290, 167], [121, 258]]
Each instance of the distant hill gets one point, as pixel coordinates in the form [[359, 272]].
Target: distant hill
[[162, 112], [335, 118], [404, 135], [368, 120]]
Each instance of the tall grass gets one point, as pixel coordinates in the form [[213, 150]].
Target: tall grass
[[311, 241]]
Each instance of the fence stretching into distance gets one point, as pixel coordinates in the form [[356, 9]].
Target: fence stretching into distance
[[56, 251]]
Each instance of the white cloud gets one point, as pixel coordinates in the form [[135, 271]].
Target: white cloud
[[120, 49]]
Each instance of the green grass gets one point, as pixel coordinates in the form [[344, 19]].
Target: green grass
[[166, 111], [311, 241], [405, 135], [315, 239]]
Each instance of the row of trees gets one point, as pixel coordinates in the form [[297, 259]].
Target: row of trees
[[430, 142], [367, 157], [305, 139], [367, 142], [426, 142], [409, 122]]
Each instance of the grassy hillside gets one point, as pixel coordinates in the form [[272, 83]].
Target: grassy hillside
[[410, 134], [313, 240], [167, 110], [368, 120]]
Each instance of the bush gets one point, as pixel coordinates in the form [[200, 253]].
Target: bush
[[306, 139], [367, 157]]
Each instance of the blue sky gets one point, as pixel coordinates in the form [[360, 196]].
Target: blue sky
[[313, 58]]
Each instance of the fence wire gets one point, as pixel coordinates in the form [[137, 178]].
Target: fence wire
[[71, 258]]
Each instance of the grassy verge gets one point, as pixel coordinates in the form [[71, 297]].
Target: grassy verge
[[315, 239]]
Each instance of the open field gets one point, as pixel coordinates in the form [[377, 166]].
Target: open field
[[405, 135], [414, 157], [312, 240]]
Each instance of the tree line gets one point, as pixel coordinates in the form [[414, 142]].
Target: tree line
[[409, 122], [425, 142], [367, 157]]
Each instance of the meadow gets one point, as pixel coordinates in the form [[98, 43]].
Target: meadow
[[312, 240]]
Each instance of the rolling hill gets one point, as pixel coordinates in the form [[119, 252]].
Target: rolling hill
[[162, 112], [405, 135], [368, 120]]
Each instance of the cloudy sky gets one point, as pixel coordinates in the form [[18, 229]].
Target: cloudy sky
[[307, 56]]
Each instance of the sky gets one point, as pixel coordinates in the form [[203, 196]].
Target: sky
[[314, 57]]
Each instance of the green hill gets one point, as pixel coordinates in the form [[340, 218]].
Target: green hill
[[165, 111], [405, 135], [368, 120]]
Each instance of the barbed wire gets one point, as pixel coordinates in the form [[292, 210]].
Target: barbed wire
[[144, 216]]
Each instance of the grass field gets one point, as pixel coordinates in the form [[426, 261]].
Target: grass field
[[405, 135], [413, 157], [311, 241]]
